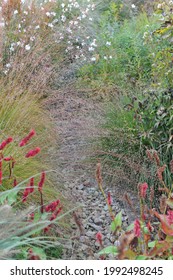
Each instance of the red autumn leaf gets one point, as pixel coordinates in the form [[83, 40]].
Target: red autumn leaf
[[166, 228]]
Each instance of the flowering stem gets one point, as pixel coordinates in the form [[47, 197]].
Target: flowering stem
[[10, 169], [41, 203], [109, 207]]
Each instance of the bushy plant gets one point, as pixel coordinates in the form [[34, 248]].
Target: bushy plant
[[150, 236], [153, 116], [121, 56], [163, 36]]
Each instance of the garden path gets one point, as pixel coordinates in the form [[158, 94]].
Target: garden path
[[78, 121]]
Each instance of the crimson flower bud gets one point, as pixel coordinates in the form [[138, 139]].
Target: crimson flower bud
[[99, 238], [143, 190], [5, 142], [42, 180], [32, 153], [25, 140], [137, 228], [7, 158], [109, 199]]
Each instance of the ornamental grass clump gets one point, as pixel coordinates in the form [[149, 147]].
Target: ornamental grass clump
[[24, 226]]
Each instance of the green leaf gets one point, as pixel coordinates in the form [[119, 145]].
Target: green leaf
[[130, 227], [12, 197], [109, 250], [151, 244], [140, 257], [117, 222], [44, 216], [37, 216], [3, 197], [39, 252]]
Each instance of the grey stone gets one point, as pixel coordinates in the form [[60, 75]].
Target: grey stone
[[97, 228]]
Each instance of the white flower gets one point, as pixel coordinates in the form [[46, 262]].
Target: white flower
[[108, 43], [133, 6], [55, 20], [53, 14], [62, 5], [93, 58], [63, 18], [91, 49], [110, 56], [5, 72], [50, 25], [93, 44], [48, 14], [32, 38], [27, 47], [105, 57], [15, 12], [8, 65], [37, 27], [12, 49]]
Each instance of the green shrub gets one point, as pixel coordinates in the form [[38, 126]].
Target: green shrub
[[122, 57]]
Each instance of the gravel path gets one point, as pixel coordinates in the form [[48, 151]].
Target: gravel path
[[78, 122]]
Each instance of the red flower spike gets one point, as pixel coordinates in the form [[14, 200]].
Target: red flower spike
[[170, 217], [137, 228], [33, 153], [58, 211], [47, 208], [31, 183], [25, 194], [99, 238], [25, 140], [143, 216], [109, 199], [55, 214], [143, 190], [52, 206], [7, 158], [53, 217], [46, 229], [42, 180], [9, 140], [28, 190], [5, 142]]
